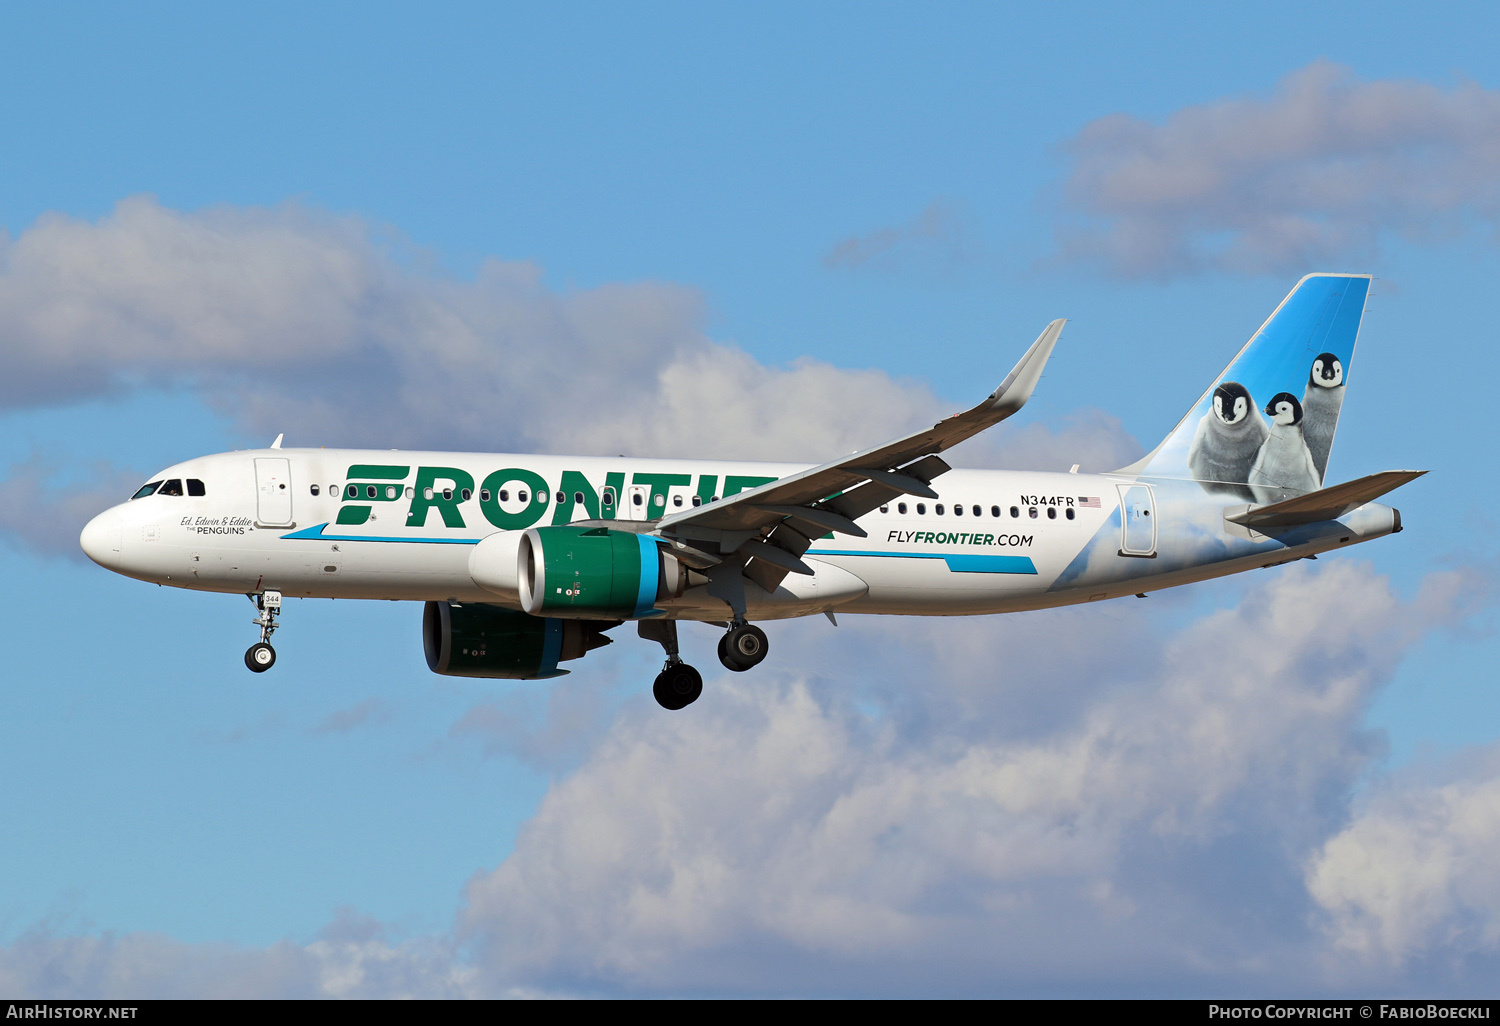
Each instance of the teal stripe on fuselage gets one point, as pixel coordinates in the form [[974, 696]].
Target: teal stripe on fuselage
[[990, 564], [957, 563], [316, 534]]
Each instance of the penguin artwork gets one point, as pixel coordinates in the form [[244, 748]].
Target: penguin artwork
[[1320, 408], [1228, 438], [1284, 465]]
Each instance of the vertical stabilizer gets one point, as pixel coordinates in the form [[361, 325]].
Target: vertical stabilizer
[[1264, 428]]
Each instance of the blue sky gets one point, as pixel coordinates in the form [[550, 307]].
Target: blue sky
[[770, 231]]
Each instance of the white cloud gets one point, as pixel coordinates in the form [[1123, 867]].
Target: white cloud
[[1415, 871], [1309, 178], [292, 320]]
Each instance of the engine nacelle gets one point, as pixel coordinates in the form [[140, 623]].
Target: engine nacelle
[[477, 640], [594, 572]]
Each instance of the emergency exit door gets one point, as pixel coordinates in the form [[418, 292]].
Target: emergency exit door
[[637, 503]]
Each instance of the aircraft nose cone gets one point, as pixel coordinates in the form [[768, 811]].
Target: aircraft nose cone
[[100, 539]]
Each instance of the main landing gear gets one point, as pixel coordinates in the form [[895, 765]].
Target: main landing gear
[[744, 645], [260, 657], [678, 685]]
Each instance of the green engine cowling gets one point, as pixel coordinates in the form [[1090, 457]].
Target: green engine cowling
[[594, 572], [479, 640]]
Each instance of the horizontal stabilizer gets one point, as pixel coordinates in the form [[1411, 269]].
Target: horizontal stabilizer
[[1323, 504]]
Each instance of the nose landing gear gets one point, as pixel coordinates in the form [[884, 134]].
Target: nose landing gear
[[260, 657]]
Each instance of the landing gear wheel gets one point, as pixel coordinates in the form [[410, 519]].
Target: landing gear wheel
[[677, 686], [260, 657], [743, 647]]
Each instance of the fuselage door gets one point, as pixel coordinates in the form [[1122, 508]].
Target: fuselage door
[[1137, 521], [273, 491], [637, 498]]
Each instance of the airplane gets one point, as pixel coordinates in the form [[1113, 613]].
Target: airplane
[[524, 562]]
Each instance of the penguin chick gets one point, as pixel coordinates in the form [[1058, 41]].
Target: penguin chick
[[1320, 408], [1284, 464], [1228, 438]]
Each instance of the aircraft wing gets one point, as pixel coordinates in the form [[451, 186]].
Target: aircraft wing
[[811, 503], [1325, 503]]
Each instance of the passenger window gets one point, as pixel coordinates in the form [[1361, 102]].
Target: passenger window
[[410, 491], [885, 509], [636, 498], [447, 493], [391, 492], [427, 493], [146, 490], [921, 508], [978, 511], [315, 489], [195, 487], [1014, 512], [484, 495], [676, 500], [609, 497], [1070, 513], [333, 490], [958, 509], [504, 495], [369, 491], [994, 511], [172, 487], [697, 500], [1031, 512], [522, 497], [467, 494], [938, 509], [1051, 512]]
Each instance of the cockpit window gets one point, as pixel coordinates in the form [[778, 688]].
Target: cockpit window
[[172, 487], [146, 489], [195, 487]]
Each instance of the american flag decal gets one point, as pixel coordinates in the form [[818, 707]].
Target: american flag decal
[[1089, 501]]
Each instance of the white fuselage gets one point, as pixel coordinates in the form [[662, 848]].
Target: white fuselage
[[372, 524]]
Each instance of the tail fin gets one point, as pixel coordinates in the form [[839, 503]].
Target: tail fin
[[1264, 428]]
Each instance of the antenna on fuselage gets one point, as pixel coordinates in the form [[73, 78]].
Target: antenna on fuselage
[[277, 444]]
